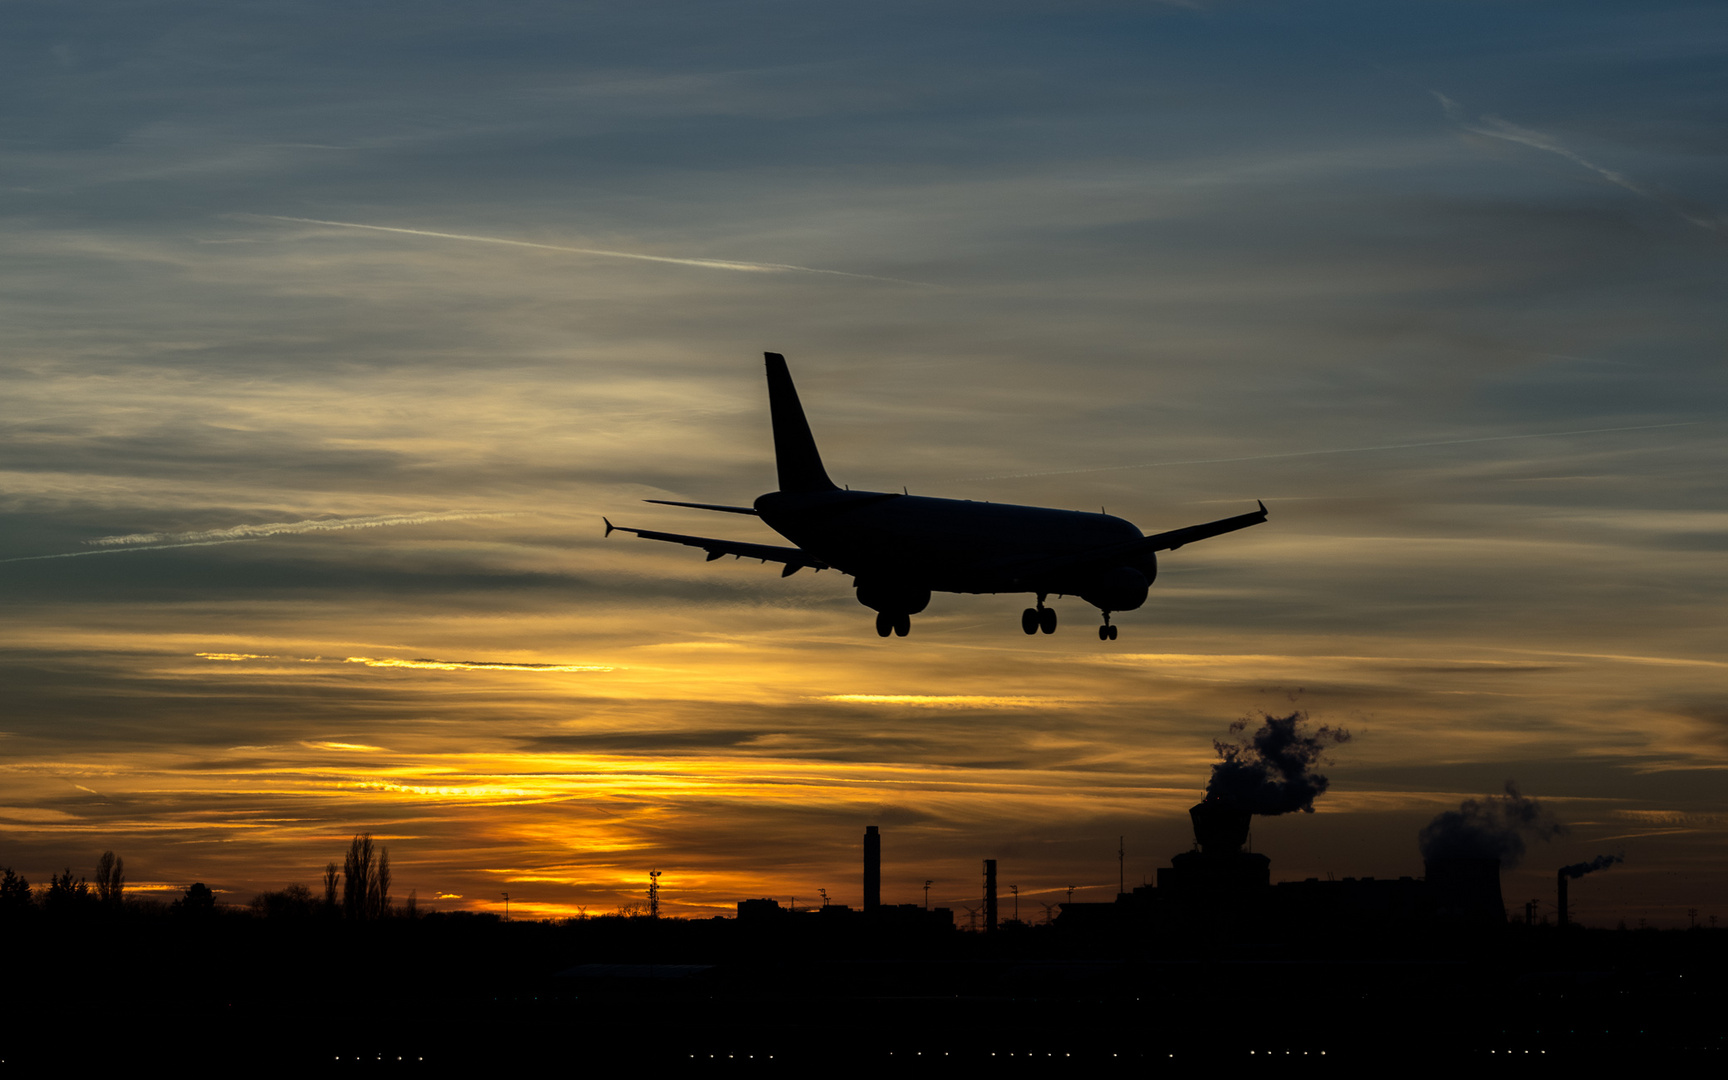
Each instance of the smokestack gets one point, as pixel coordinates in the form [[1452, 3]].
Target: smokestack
[[1220, 826], [1600, 862], [872, 868], [990, 896]]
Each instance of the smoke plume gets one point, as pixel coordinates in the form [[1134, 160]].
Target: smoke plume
[[1272, 772], [1600, 862], [1489, 828]]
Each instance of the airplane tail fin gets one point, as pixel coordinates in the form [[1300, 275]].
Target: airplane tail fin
[[794, 447]]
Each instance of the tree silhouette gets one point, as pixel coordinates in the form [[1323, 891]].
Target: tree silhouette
[[380, 898], [110, 879], [14, 891], [365, 880], [64, 893], [198, 901], [293, 902], [331, 876]]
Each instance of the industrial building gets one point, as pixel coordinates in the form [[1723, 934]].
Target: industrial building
[[1219, 887]]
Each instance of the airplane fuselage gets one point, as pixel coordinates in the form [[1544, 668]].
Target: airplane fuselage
[[890, 539]]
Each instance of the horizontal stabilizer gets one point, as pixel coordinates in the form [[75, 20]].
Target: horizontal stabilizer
[[751, 510]]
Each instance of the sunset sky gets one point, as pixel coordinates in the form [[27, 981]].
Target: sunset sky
[[331, 331]]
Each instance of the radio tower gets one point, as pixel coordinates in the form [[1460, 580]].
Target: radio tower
[[653, 894]]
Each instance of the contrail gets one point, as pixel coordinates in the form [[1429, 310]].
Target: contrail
[[709, 264], [114, 545], [251, 532], [117, 551], [1494, 127], [1315, 453]]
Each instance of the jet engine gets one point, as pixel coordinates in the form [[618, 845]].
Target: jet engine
[[1120, 588], [896, 597]]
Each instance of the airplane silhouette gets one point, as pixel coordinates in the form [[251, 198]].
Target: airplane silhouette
[[899, 548]]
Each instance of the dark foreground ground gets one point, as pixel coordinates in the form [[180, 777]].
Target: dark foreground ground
[[440, 993]]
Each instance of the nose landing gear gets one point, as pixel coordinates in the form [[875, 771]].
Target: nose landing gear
[[1039, 618], [1106, 632]]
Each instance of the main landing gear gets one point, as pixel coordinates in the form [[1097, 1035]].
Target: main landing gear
[[898, 625], [1039, 618], [1106, 632]]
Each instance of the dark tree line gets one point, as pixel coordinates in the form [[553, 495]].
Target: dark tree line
[[359, 891]]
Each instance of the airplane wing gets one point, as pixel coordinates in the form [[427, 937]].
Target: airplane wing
[[1175, 538], [1115, 553], [794, 558]]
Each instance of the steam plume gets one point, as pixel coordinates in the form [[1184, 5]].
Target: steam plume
[[1489, 828], [1273, 772], [1600, 862]]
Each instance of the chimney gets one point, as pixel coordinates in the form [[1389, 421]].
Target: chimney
[[990, 896], [1564, 915], [1220, 827], [872, 868]]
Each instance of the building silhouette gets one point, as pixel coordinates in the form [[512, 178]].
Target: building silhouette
[[872, 868]]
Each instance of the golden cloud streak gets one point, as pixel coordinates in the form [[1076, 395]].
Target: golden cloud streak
[[1676, 818], [948, 701], [473, 665]]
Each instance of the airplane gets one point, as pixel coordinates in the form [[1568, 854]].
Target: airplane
[[900, 548]]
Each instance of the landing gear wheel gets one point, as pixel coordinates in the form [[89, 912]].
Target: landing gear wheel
[[1103, 633], [1047, 620], [1029, 620], [1112, 634], [884, 624], [902, 625]]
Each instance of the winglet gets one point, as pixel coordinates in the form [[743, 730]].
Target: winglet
[[609, 525], [1262, 506]]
